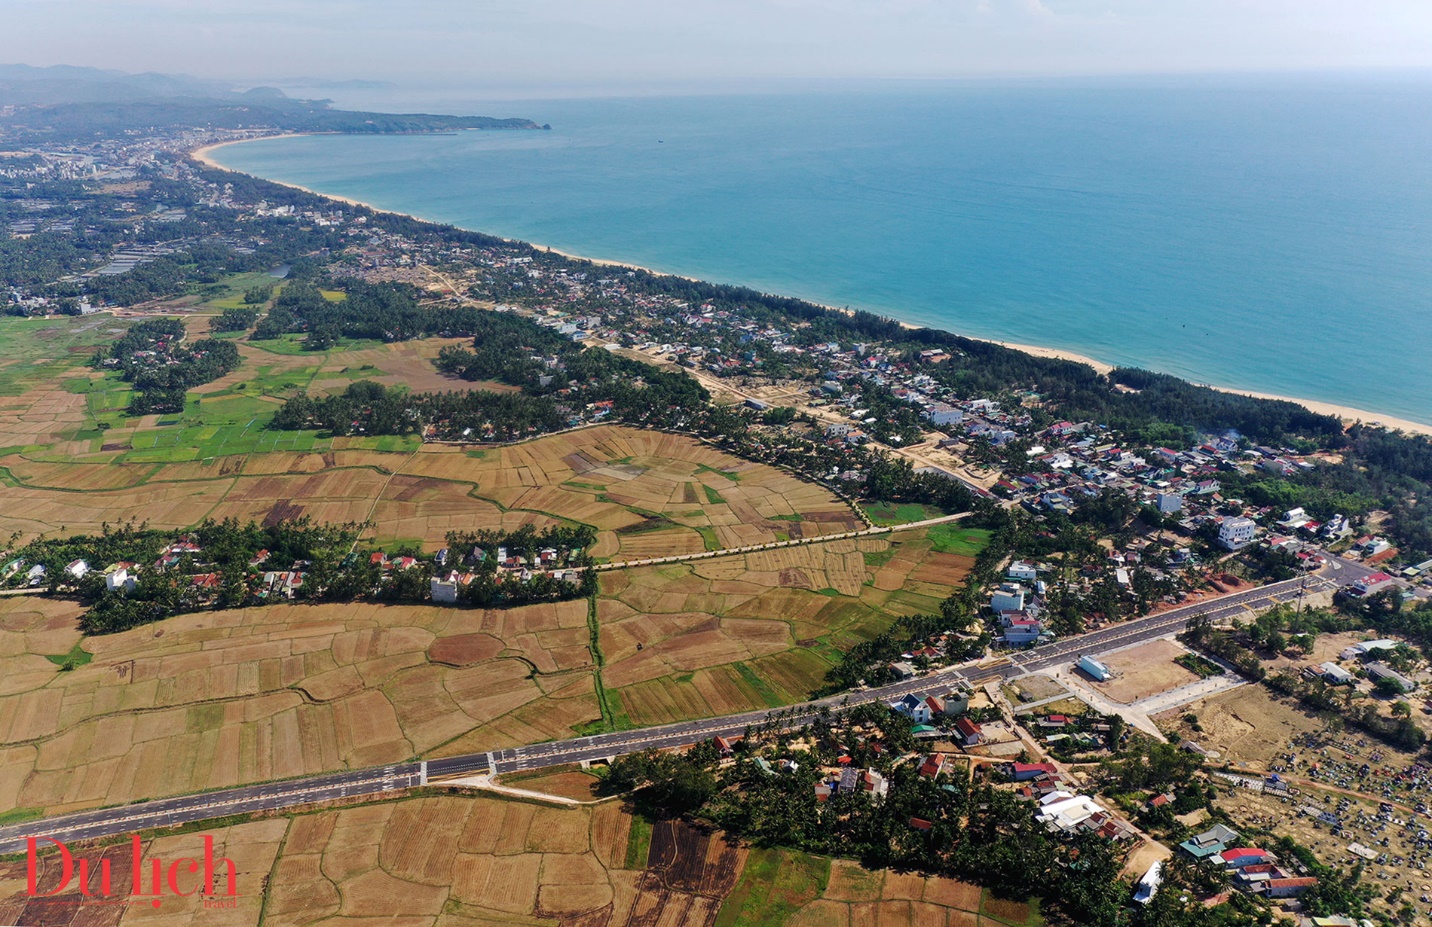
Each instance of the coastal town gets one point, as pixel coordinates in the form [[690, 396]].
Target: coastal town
[[1182, 655]]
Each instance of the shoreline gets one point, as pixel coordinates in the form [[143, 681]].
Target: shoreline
[[1347, 414]]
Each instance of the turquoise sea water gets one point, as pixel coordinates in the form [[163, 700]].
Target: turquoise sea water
[[1265, 234]]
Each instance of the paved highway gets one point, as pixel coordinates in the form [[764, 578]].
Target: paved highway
[[375, 781]]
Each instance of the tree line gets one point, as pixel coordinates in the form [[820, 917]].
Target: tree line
[[151, 357], [240, 556]]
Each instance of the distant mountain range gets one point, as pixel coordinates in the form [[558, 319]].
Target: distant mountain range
[[64, 103]]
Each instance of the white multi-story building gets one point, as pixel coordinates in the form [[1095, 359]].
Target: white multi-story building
[[444, 592], [1236, 533], [1009, 597]]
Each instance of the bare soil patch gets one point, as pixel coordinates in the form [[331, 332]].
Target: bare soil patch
[[1144, 670]]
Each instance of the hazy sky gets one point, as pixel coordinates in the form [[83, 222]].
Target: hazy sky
[[609, 42]]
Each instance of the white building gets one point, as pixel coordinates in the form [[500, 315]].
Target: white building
[[1009, 597], [1236, 533], [1020, 571], [1168, 503], [1097, 670], [941, 414], [444, 591], [1149, 885], [119, 580]]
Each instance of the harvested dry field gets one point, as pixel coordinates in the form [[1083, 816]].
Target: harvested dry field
[[41, 415], [470, 861], [224, 698], [648, 493], [252, 847], [463, 860], [754, 630]]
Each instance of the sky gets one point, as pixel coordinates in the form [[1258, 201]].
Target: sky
[[626, 43]]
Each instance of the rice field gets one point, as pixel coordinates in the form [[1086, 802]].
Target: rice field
[[466, 860], [457, 860], [757, 630], [783, 887], [631, 485], [226, 698]]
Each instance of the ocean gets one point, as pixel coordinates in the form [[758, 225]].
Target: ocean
[[1260, 233]]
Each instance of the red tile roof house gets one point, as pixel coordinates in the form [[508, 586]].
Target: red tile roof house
[[970, 732], [920, 824], [933, 765], [1239, 857]]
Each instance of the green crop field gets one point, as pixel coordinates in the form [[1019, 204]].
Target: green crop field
[[774, 885], [897, 513], [954, 538], [290, 345], [232, 295], [43, 350]]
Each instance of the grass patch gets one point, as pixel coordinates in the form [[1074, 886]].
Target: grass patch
[[393, 444], [878, 558], [293, 345], [218, 426], [712, 496], [20, 815], [733, 477], [901, 513], [1196, 663], [708, 536], [774, 885], [638, 843], [1008, 911], [590, 728], [205, 717], [651, 522], [753, 679], [76, 658], [956, 539]]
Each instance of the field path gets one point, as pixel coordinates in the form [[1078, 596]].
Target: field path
[[378, 497], [773, 545]]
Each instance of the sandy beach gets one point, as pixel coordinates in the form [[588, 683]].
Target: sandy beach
[[1348, 414]]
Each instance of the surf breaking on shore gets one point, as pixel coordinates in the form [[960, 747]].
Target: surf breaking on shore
[[1347, 414]]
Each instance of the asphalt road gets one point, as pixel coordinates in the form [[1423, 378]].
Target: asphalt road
[[375, 781]]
